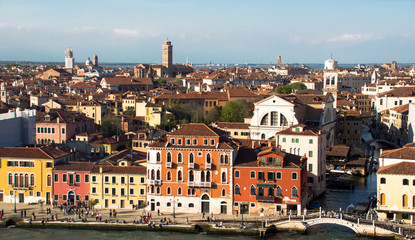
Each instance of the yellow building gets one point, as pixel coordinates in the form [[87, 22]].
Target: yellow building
[[153, 113], [118, 186], [26, 173], [395, 191]]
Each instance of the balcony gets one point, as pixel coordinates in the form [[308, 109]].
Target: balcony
[[21, 187], [199, 184], [191, 165], [265, 198], [208, 165], [169, 164], [154, 182]]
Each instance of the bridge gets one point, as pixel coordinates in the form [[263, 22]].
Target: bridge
[[361, 227]]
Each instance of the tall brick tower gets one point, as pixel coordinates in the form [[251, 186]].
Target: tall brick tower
[[167, 54]]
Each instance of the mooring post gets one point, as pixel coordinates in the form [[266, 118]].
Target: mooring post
[[358, 221], [320, 212], [303, 218]]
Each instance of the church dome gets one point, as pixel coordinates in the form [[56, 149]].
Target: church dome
[[88, 62], [330, 64]]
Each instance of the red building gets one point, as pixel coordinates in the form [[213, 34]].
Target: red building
[[269, 181], [71, 182], [191, 169]]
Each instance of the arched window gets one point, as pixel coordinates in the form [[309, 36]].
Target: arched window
[[279, 192], [263, 136], [223, 192], [158, 157], [148, 156], [223, 177], [26, 180], [158, 175], [405, 182], [208, 158], [208, 177], [274, 118], [270, 191], [189, 192], [253, 191], [168, 176], [158, 190], [16, 180], [49, 180], [179, 176], [168, 190], [283, 121], [294, 192], [221, 159], [21, 180], [264, 120], [202, 176], [226, 159], [179, 191], [191, 176], [168, 157], [10, 179], [193, 192], [153, 175], [405, 201], [260, 191], [32, 179], [191, 158], [179, 158], [237, 190]]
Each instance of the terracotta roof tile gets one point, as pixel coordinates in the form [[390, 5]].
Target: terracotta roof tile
[[402, 168]]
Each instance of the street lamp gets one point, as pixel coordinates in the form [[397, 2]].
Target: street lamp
[[174, 207], [15, 207]]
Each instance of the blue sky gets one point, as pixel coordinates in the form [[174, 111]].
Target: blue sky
[[227, 31]]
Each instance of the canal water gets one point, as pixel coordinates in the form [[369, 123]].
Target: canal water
[[331, 233], [341, 198]]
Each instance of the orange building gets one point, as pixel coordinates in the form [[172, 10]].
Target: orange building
[[190, 170], [269, 181]]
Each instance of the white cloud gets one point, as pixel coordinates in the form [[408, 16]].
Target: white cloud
[[354, 37], [126, 32]]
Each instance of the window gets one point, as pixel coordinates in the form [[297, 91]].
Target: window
[[141, 191], [405, 182], [279, 175], [168, 157], [114, 180], [77, 178], [94, 190], [94, 178], [56, 177], [191, 158], [294, 176], [168, 190], [122, 180], [179, 158], [237, 190], [199, 154], [142, 180], [212, 142], [405, 201], [194, 141], [49, 165], [383, 181], [284, 140], [223, 177], [63, 130], [49, 180], [310, 180], [187, 141], [106, 179], [158, 158], [86, 178], [271, 176], [294, 192], [253, 192], [113, 191], [32, 179], [172, 141], [297, 140], [252, 174], [179, 141], [205, 142], [223, 192], [179, 191], [310, 141], [191, 205], [310, 167], [131, 179], [264, 120], [168, 176], [179, 205], [237, 173], [10, 179], [310, 153], [261, 176]]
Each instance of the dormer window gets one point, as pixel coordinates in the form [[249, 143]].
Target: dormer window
[[47, 117], [187, 142], [194, 141], [179, 141], [212, 142], [205, 142], [172, 141]]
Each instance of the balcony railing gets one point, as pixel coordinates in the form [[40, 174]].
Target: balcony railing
[[199, 184], [154, 182], [265, 198], [169, 164], [191, 165], [21, 187]]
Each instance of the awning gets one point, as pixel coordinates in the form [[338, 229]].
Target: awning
[[266, 185]]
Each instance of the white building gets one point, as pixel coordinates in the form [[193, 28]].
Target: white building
[[69, 60], [303, 140], [395, 97], [278, 112], [17, 128]]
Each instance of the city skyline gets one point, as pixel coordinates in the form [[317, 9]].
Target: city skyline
[[229, 32]]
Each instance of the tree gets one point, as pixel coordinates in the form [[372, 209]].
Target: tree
[[110, 127], [41, 202], [290, 88], [213, 115], [168, 123], [91, 204], [236, 111], [129, 112]]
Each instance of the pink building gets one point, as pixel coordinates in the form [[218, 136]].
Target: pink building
[[71, 182], [60, 126]]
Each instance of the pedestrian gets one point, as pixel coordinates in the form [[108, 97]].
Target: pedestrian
[[158, 212], [110, 213], [21, 214], [203, 216]]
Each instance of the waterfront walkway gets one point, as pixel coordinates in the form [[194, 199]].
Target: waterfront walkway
[[294, 222]]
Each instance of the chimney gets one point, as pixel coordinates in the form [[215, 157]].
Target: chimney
[[100, 169]]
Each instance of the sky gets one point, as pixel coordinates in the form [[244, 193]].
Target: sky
[[217, 31]]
